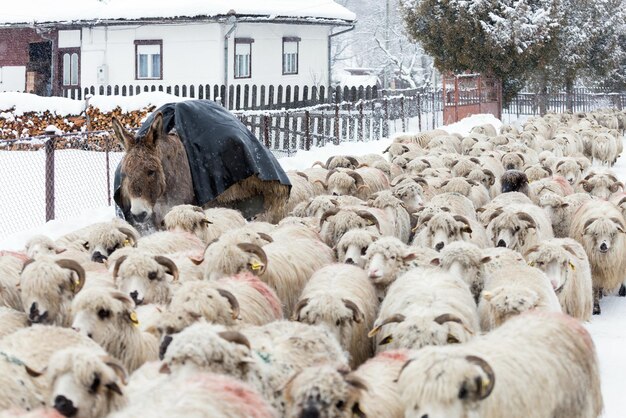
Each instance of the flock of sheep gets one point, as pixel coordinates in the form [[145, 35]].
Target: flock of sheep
[[392, 286]]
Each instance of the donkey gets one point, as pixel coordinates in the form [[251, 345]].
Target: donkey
[[155, 174]]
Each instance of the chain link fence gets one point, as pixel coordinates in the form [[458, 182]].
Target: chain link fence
[[55, 177]]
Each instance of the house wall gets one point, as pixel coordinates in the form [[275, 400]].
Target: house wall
[[14, 57], [193, 53], [267, 62]]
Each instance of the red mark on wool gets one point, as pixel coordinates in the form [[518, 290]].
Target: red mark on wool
[[236, 394], [264, 290], [393, 355], [20, 256], [564, 184]]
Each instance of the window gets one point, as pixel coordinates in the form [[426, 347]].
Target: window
[[243, 57], [70, 69], [291, 47], [149, 60]]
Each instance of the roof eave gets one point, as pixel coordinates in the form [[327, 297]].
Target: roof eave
[[197, 19]]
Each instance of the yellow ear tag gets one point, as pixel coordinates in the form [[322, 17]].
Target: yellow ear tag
[[572, 266], [133, 318], [532, 264], [126, 242], [486, 382], [256, 266], [75, 285]]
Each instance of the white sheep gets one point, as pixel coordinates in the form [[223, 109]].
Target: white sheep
[[265, 357], [500, 371], [474, 191], [12, 320], [84, 383], [396, 211], [324, 391], [360, 183], [11, 264], [336, 222], [48, 287], [599, 226], [145, 278], [242, 299], [198, 395], [207, 224], [565, 263], [341, 297], [464, 260], [285, 266], [510, 291], [561, 210], [167, 242], [388, 258], [425, 307], [108, 317], [443, 228], [519, 227], [600, 183], [353, 245]]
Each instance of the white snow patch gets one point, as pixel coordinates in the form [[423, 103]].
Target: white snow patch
[[31, 11]]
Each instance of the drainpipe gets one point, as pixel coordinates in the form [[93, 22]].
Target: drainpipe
[[332, 35], [232, 20]]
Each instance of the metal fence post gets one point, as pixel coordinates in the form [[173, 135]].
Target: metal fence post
[[402, 114], [361, 128], [419, 111], [385, 117], [266, 130], [108, 166], [336, 127], [307, 130], [49, 147]]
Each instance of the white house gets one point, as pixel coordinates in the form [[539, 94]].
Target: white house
[[64, 47]]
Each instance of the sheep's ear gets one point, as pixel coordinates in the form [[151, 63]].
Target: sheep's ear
[[564, 205], [435, 262], [409, 257], [165, 369], [485, 260], [196, 259]]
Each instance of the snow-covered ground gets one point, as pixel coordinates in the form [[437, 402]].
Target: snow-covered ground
[[608, 330]]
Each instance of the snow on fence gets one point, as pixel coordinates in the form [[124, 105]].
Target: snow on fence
[[240, 97]]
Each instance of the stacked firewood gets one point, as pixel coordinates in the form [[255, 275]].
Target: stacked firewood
[[19, 130]]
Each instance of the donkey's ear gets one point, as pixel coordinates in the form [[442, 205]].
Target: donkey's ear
[[122, 134], [156, 130]]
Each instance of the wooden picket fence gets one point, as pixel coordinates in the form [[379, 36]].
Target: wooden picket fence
[[287, 131], [241, 97]]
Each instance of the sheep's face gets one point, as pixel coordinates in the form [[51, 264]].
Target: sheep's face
[[319, 205], [102, 316], [602, 234], [353, 246], [417, 331], [555, 266], [410, 193], [444, 228], [188, 218], [47, 290], [448, 387], [340, 184], [209, 348], [322, 392], [416, 166], [104, 239], [512, 161], [143, 279], [383, 265], [570, 170], [510, 230], [337, 225], [83, 384], [505, 302], [339, 315], [41, 246]]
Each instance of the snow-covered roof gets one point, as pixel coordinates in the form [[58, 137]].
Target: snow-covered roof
[[67, 11]]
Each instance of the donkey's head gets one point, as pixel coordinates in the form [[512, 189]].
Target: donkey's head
[[143, 179]]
